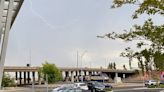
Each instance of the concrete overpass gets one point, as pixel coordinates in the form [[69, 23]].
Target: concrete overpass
[[8, 11], [26, 75], [25, 68]]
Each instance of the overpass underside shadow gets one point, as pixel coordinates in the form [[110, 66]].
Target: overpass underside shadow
[[28, 75]]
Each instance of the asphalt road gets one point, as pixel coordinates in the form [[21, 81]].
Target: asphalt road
[[115, 90], [138, 90]]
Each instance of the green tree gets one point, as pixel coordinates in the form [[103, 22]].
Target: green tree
[[114, 65], [149, 37], [138, 55], [7, 81], [51, 72], [150, 7], [110, 66], [124, 67], [129, 54], [159, 60]]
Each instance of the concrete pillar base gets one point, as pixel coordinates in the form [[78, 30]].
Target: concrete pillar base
[[117, 80], [72, 77]]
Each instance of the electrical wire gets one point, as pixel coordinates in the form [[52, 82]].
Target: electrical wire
[[40, 16]]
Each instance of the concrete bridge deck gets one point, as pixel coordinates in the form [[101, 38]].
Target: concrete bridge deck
[[35, 69], [25, 75]]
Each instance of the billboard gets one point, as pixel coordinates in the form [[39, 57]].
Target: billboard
[[162, 75]]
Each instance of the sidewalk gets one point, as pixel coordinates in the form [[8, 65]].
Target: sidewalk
[[121, 85], [15, 89]]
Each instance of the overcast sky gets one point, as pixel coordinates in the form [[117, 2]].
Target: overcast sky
[[54, 30]]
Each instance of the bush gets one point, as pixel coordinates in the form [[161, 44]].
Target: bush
[[152, 86], [50, 71], [161, 85], [7, 81], [108, 89]]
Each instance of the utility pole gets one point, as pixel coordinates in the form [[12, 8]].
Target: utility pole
[[30, 57], [105, 63], [81, 57], [90, 64]]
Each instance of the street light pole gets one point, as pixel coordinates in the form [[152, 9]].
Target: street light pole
[[106, 62], [81, 57]]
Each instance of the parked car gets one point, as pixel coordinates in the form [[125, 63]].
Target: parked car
[[99, 77], [108, 86], [81, 85], [151, 82], [95, 86], [67, 88], [161, 82]]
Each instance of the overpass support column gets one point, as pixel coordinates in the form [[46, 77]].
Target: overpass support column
[[77, 76], [90, 73], [24, 77], [20, 79], [33, 77], [85, 73], [117, 79], [116, 75], [81, 76], [80, 72], [72, 76], [16, 76], [123, 76], [93, 73], [28, 77], [66, 75]]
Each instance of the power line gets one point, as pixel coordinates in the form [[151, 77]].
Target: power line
[[40, 16]]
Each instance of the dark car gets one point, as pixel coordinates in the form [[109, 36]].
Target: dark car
[[95, 86], [108, 86]]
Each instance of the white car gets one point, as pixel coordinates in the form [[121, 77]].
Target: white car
[[150, 82], [82, 86], [62, 88]]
